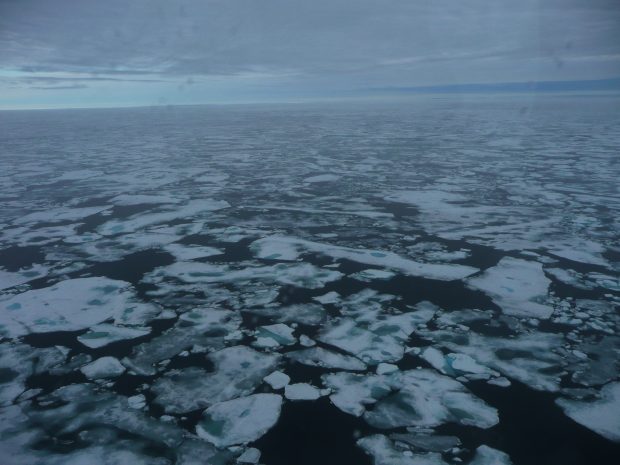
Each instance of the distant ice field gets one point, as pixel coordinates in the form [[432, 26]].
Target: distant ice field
[[435, 282]]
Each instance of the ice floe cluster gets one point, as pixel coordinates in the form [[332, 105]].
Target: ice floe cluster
[[174, 298]]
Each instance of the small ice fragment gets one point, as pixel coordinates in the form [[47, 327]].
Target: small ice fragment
[[277, 379], [251, 455], [601, 416], [104, 367], [306, 341], [386, 368], [331, 297], [301, 391], [136, 402], [486, 455]]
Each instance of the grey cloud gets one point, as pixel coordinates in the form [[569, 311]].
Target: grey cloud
[[324, 41]]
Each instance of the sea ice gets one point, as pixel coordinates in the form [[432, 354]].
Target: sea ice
[[239, 421], [277, 380], [429, 399], [320, 357], [601, 415], [238, 371], [73, 305], [486, 455], [518, 287], [104, 367], [301, 391], [384, 452], [352, 392], [103, 334]]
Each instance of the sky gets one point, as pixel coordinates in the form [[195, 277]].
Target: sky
[[107, 53]]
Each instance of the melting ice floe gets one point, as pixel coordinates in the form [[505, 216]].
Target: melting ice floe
[[518, 287], [73, 305], [290, 248], [238, 371], [426, 398], [601, 415], [239, 421]]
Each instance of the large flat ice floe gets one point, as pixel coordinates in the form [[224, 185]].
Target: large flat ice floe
[[238, 371], [428, 399], [601, 415], [290, 248], [518, 287], [73, 305], [239, 421]]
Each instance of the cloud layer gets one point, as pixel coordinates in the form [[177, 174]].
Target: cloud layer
[[307, 46]]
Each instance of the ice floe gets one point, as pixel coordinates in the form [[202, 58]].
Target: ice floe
[[73, 305], [239, 421], [599, 415], [518, 287], [290, 248], [237, 372], [301, 391], [104, 367], [428, 399]]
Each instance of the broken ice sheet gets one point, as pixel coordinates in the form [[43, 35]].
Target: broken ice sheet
[[104, 367], [274, 335], [426, 398], [103, 334], [518, 287], [384, 452], [600, 415], [289, 248], [297, 274], [320, 357], [73, 305], [239, 421], [237, 372], [80, 406], [353, 392]]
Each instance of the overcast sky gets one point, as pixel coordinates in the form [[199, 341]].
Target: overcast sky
[[142, 52]]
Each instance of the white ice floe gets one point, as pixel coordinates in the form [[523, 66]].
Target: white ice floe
[[386, 368], [331, 297], [277, 379], [191, 252], [61, 214], [274, 335], [103, 334], [104, 367], [486, 455], [456, 364], [601, 415], [143, 220], [518, 287], [301, 391], [239, 421], [15, 278], [351, 393], [297, 274], [382, 341], [250, 455], [428, 399], [320, 357], [73, 305], [289, 248], [529, 358], [384, 452], [238, 371], [372, 274], [322, 178], [79, 406]]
